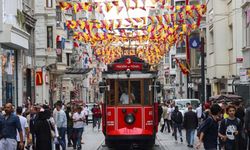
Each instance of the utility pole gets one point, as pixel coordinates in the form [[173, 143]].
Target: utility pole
[[202, 71], [187, 57]]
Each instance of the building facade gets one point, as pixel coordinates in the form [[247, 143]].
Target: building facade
[[224, 44], [17, 51], [243, 88]]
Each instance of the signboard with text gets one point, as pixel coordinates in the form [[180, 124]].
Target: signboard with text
[[132, 67], [127, 64]]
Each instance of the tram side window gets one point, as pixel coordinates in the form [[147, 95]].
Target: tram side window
[[146, 93], [112, 92], [136, 91]]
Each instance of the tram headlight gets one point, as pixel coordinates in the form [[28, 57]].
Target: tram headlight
[[129, 118]]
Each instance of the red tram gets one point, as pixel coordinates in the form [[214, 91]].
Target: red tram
[[130, 108]]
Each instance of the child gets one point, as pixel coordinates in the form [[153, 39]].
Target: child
[[229, 129]]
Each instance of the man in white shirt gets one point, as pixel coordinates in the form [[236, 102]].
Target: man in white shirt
[[24, 126], [61, 123], [78, 127], [85, 111], [125, 98], [199, 112]]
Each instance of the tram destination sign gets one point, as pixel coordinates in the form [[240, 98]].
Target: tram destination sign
[[132, 67], [128, 63]]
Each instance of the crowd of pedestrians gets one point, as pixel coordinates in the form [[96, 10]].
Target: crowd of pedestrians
[[41, 127], [212, 126]]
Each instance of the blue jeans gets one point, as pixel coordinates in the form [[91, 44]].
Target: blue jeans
[[61, 139], [179, 127], [78, 137], [190, 136], [97, 119], [69, 133]]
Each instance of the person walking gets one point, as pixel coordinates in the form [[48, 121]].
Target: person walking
[[97, 114], [78, 128], [177, 119], [86, 112], [33, 118], [43, 130], [159, 111], [240, 113], [10, 124], [61, 123], [25, 128], [247, 124], [69, 115], [199, 113], [190, 123], [229, 129], [208, 130], [165, 116]]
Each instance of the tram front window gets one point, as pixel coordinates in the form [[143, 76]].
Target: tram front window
[[129, 92]]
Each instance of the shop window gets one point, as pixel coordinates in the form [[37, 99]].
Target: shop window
[[8, 76], [49, 36]]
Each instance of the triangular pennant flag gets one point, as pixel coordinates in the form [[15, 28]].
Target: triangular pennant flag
[[119, 9], [108, 6], [115, 3]]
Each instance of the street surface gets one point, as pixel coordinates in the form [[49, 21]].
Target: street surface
[[94, 140]]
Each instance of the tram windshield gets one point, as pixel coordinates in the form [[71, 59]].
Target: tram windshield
[[129, 92]]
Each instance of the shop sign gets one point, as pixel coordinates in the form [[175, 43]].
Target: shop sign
[[39, 78]]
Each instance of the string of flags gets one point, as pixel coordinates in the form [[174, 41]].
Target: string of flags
[[168, 19], [153, 36], [102, 7]]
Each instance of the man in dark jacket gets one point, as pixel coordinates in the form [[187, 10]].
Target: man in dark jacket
[[190, 124], [177, 119], [159, 111]]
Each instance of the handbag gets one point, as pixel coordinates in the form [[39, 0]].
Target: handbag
[[52, 132], [162, 121]]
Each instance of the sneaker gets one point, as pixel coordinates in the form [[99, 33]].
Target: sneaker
[[70, 145], [191, 146], [79, 147]]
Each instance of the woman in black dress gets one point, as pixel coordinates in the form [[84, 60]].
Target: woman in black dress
[[42, 131]]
